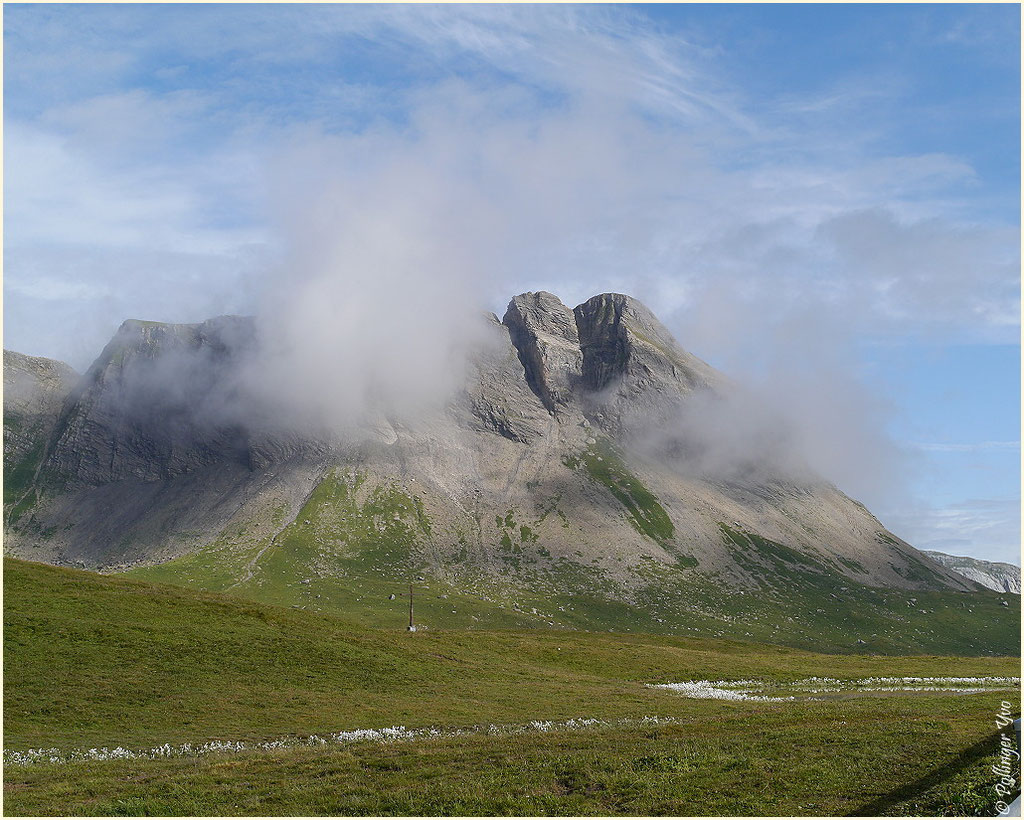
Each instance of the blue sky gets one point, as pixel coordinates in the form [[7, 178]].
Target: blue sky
[[824, 201]]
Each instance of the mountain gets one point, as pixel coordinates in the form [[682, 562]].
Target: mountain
[[992, 574], [575, 477], [34, 391]]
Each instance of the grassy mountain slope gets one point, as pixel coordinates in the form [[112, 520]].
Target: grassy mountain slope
[[93, 660], [353, 545]]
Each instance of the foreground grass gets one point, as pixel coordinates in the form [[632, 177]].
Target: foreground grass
[[828, 758], [92, 660], [965, 790]]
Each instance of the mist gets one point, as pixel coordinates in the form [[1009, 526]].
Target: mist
[[395, 240], [732, 437]]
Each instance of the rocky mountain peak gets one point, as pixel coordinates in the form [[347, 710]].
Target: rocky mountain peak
[[150, 404], [221, 334], [633, 366], [544, 333], [604, 338], [619, 334]]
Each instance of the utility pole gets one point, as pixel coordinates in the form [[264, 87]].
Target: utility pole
[[412, 626]]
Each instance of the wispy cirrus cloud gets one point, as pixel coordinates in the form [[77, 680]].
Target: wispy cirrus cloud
[[973, 447]]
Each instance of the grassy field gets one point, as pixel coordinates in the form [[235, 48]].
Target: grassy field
[[96, 661], [732, 759]]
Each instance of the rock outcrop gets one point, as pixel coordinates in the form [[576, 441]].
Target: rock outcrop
[[991, 574], [34, 392], [496, 397], [635, 372], [155, 404], [544, 332]]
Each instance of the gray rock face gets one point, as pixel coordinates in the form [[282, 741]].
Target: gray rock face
[[159, 451], [544, 332], [497, 397], [153, 405], [622, 338], [34, 391], [164, 400], [992, 574], [635, 371]]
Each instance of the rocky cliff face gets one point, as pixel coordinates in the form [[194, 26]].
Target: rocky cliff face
[[529, 476], [544, 333], [991, 574], [634, 372], [147, 407], [34, 391]]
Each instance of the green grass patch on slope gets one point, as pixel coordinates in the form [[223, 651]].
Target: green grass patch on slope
[[348, 550], [94, 660], [783, 559], [605, 466], [799, 604], [351, 548], [215, 567]]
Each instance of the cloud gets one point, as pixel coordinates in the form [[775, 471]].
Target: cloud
[[400, 230], [933, 272], [973, 447], [701, 187], [397, 236]]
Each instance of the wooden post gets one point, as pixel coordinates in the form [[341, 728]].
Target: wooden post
[[412, 625]]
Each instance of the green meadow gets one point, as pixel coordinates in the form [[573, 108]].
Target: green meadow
[[98, 661]]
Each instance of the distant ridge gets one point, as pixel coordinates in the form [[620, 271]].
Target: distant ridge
[[992, 574]]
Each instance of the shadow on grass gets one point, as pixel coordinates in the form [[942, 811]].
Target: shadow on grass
[[965, 759]]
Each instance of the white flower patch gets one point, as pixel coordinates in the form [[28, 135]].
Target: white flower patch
[[968, 685], [716, 690], [384, 735], [753, 690]]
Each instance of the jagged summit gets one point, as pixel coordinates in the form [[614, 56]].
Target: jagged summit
[[620, 336], [609, 357], [544, 332]]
